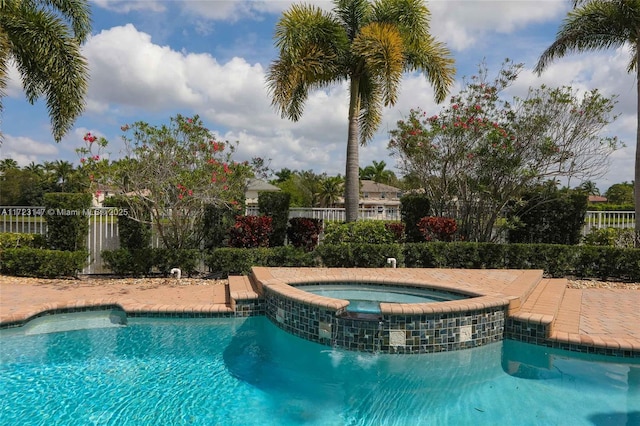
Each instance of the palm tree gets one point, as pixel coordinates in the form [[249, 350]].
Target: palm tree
[[62, 171], [367, 44], [377, 172], [43, 37], [601, 24], [331, 188], [8, 164], [589, 187]]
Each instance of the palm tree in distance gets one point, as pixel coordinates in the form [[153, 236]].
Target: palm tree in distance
[[367, 44], [331, 188], [43, 37], [596, 25], [378, 172]]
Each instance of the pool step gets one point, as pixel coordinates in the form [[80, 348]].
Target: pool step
[[241, 289], [537, 315]]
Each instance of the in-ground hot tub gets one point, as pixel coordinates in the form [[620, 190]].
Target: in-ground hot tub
[[366, 298], [473, 313]]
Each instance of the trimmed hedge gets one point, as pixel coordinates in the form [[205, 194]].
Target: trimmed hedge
[[17, 240], [125, 262], [41, 263], [276, 206], [237, 261], [68, 228], [359, 232], [359, 255], [140, 262], [556, 260]]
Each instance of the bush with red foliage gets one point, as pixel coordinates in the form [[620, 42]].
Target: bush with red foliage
[[304, 232], [397, 230], [437, 228], [250, 232]]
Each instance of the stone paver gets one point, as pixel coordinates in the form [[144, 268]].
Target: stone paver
[[600, 317]]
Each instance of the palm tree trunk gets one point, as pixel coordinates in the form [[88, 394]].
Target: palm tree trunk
[[352, 179], [636, 183]]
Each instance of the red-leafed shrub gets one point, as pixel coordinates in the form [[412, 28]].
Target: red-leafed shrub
[[303, 232], [397, 230], [437, 228], [250, 232]]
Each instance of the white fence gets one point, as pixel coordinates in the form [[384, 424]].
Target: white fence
[[103, 229], [608, 219], [336, 214]]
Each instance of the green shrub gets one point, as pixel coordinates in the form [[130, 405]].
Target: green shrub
[[217, 222], [549, 216], [413, 208], [600, 207], [360, 232], [67, 220], [275, 205], [555, 259], [17, 240], [186, 259], [613, 237], [347, 255], [33, 262], [125, 262], [238, 261], [134, 234]]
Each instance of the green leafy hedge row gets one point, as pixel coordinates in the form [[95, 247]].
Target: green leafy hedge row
[[556, 260], [237, 261], [36, 262], [17, 240], [138, 262]]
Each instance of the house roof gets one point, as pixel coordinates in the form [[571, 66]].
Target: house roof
[[371, 186], [597, 199], [260, 185]]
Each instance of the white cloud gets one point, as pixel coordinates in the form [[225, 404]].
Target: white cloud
[[462, 24], [25, 150], [126, 6], [14, 81]]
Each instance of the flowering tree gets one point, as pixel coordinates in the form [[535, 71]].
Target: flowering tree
[[482, 151], [171, 172]]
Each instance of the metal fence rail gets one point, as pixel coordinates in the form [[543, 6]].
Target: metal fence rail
[[608, 219], [103, 229]]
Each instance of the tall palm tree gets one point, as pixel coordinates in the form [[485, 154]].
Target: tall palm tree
[[369, 45], [602, 24], [43, 37]]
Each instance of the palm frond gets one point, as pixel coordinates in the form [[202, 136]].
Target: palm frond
[[312, 47], [5, 55], [77, 13], [434, 60], [410, 16], [381, 48], [370, 108], [50, 62], [421, 51], [596, 25], [353, 14]]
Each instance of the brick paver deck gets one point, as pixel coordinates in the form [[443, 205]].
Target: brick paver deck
[[590, 317]]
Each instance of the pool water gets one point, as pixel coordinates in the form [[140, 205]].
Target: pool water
[[367, 298], [249, 372]]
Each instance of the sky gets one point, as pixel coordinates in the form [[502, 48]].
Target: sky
[[150, 60]]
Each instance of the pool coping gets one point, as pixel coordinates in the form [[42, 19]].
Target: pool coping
[[516, 293]]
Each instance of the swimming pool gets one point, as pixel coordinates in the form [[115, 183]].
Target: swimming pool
[[247, 371], [366, 298]]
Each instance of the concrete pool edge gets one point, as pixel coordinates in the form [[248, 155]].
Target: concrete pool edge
[[577, 333]]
